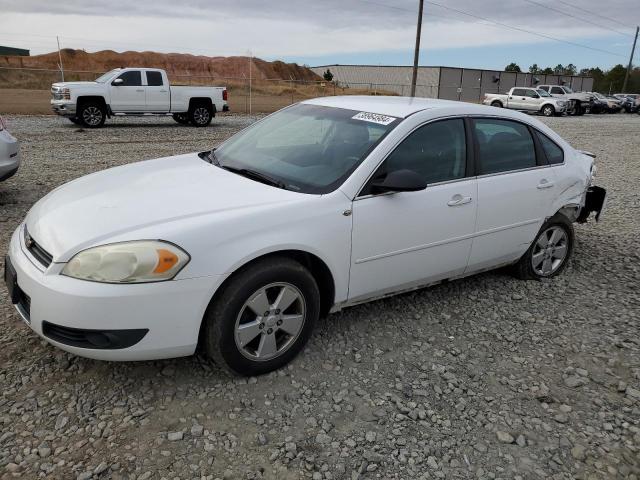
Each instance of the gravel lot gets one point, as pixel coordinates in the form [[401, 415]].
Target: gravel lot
[[486, 377]]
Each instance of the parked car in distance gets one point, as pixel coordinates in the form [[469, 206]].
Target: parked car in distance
[[527, 100], [629, 102], [325, 204], [136, 91], [579, 103], [610, 104], [9, 152]]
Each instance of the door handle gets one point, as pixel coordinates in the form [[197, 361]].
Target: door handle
[[544, 183], [139, 90], [457, 200]]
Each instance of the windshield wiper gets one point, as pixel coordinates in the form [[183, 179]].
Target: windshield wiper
[[255, 175]]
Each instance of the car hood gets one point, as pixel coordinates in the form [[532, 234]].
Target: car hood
[[72, 84], [93, 209]]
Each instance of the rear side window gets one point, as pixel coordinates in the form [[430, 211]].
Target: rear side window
[[132, 78], [503, 146], [554, 153], [154, 79], [519, 92], [436, 151]]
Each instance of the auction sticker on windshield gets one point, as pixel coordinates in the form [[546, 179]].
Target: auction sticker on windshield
[[374, 118]]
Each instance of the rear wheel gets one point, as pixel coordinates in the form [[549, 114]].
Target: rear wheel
[[548, 254], [200, 115], [548, 111], [92, 115], [496, 104], [181, 118], [262, 318]]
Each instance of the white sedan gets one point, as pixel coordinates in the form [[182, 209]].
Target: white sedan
[[325, 204], [9, 154]]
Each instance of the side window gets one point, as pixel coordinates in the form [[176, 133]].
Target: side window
[[154, 79], [437, 151], [531, 93], [557, 90], [545, 88], [554, 153], [518, 92], [132, 78], [504, 146]]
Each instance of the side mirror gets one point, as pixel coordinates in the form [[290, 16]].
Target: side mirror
[[399, 181], [535, 95], [117, 82]]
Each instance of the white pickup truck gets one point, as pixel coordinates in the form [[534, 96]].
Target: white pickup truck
[[527, 100], [136, 91]]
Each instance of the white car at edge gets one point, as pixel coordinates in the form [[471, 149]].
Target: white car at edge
[[325, 204]]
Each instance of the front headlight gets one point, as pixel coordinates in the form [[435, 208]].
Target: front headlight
[[66, 94], [562, 104], [128, 262]]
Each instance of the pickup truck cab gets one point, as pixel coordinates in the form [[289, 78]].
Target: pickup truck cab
[[577, 103], [527, 100], [136, 91]]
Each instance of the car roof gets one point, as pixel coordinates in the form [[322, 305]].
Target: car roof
[[393, 106]]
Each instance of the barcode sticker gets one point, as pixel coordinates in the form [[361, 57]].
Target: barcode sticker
[[373, 118]]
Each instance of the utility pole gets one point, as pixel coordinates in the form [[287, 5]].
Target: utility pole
[[60, 59], [416, 54], [633, 49]]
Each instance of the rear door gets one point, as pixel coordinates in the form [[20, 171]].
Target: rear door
[[517, 99], [157, 93], [515, 191], [129, 95]]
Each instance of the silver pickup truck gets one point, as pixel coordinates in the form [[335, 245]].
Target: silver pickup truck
[[578, 102], [527, 100]]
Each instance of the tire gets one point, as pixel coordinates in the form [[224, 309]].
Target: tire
[[200, 115], [238, 349], [548, 111], [496, 104], [529, 267], [75, 120], [181, 118], [92, 115]]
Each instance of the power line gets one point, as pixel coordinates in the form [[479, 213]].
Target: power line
[[504, 25], [549, 7], [594, 13]]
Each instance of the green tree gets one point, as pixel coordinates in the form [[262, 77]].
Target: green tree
[[559, 69], [547, 71], [570, 69], [512, 67], [328, 76], [535, 68]]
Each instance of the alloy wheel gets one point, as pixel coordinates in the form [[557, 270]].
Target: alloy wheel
[[270, 321], [201, 115], [550, 251], [92, 116]]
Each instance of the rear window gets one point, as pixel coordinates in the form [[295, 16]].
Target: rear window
[[554, 153], [154, 79], [504, 146]]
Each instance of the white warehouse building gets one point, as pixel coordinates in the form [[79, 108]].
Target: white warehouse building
[[450, 83]]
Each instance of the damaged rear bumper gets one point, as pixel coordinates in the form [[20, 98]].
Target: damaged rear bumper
[[594, 202]]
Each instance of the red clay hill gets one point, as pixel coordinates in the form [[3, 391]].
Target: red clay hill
[[173, 63]]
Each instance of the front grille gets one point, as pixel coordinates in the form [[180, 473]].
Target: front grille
[[56, 93], [39, 253], [24, 305]]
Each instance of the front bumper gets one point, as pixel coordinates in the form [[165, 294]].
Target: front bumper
[[64, 108], [170, 312]]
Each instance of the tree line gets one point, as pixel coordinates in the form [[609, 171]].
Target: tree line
[[604, 81]]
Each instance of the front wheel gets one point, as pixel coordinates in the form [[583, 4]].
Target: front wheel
[[548, 111], [548, 254], [92, 115], [262, 318]]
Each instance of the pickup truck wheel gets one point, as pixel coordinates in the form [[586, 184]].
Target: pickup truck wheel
[[262, 318], [200, 115], [181, 118], [92, 115], [548, 111], [548, 254], [496, 104]]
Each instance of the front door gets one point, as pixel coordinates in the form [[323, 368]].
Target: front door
[[515, 192], [128, 96], [406, 239]]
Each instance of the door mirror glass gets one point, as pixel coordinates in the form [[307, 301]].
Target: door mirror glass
[[117, 82], [399, 181]]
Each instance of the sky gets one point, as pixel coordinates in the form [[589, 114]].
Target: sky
[[460, 33]]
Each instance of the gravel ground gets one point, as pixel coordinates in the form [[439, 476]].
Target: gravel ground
[[486, 377]]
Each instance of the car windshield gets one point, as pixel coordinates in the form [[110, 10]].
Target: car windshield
[[542, 93], [106, 76], [305, 148]]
